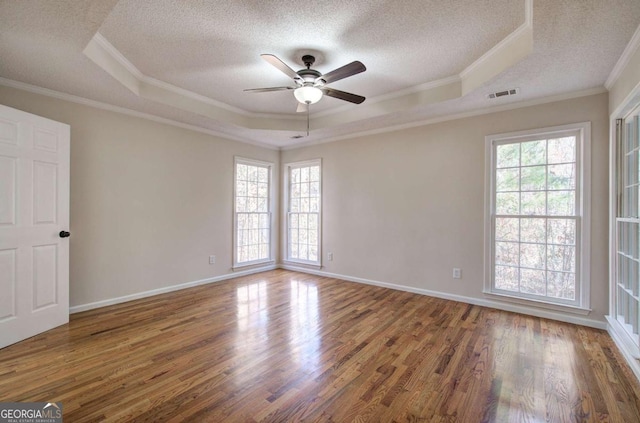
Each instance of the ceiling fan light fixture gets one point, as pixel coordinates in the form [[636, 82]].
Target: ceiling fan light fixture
[[308, 94]]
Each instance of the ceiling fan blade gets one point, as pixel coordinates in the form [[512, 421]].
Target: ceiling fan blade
[[265, 90], [342, 95], [352, 68], [302, 108], [282, 66]]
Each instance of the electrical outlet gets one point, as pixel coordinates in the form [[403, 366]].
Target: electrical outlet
[[212, 259], [330, 256], [457, 273]]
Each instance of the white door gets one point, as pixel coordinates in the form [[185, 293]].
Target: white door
[[34, 210]]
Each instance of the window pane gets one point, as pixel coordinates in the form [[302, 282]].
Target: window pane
[[507, 253], [561, 231], [313, 237], [295, 176], [532, 256], [252, 173], [264, 221], [507, 180], [506, 278], [533, 203], [533, 230], [314, 204], [263, 174], [561, 258], [533, 153], [295, 190], [241, 188], [313, 221], [242, 172], [562, 176], [508, 155], [562, 150], [507, 229], [533, 281], [313, 253], [562, 203], [304, 205], [263, 190], [561, 285], [314, 189], [252, 189], [241, 204], [533, 178], [507, 203], [314, 173], [252, 204]]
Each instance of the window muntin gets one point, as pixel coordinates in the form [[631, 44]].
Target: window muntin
[[252, 212], [303, 212], [537, 217]]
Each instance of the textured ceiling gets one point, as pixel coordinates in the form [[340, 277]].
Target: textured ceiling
[[212, 48]]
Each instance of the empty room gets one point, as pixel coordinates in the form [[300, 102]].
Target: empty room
[[367, 211]]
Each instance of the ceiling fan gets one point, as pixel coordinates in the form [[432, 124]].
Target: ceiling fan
[[310, 85]]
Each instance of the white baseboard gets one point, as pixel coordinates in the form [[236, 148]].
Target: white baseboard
[[138, 295], [438, 294], [623, 347], [516, 308]]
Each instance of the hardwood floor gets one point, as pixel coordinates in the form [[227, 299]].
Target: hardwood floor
[[282, 346]]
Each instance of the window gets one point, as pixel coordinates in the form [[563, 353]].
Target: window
[[537, 218], [626, 262], [252, 216], [303, 206]]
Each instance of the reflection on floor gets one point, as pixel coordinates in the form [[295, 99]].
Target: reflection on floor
[[283, 346]]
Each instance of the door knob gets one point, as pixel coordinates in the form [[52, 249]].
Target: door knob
[[65, 234]]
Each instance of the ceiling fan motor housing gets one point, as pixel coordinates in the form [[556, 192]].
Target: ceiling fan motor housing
[[309, 75]]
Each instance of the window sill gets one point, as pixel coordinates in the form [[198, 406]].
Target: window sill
[[239, 266], [537, 303], [316, 266]]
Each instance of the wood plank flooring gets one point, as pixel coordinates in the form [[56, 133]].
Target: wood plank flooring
[[282, 346]]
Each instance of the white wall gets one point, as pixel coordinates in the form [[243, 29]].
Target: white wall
[[149, 202], [405, 207]]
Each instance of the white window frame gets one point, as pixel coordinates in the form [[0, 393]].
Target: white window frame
[[621, 331], [251, 162], [287, 167], [582, 130]]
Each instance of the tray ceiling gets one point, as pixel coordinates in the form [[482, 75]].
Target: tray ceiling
[[189, 61]]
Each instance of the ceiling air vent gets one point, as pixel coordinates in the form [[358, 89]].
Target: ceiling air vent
[[295, 137], [505, 93]]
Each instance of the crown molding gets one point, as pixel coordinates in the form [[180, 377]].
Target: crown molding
[[456, 116], [623, 61], [123, 110]]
